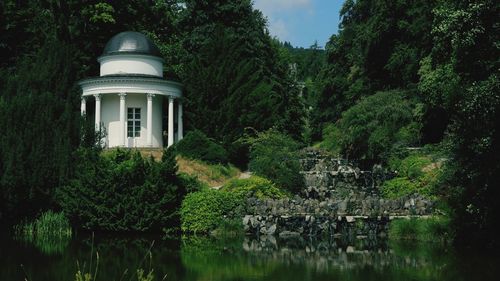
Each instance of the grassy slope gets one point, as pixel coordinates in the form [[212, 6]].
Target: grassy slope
[[212, 175]]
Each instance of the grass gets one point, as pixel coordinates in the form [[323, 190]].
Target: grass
[[156, 153], [431, 229], [50, 232], [214, 175], [49, 224]]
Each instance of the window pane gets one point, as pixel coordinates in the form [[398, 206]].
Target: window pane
[[138, 123], [137, 134], [129, 110], [129, 123], [138, 110], [137, 116], [130, 133]]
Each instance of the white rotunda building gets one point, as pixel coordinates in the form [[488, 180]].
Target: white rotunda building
[[128, 99]]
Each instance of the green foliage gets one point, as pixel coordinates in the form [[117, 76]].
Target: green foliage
[[398, 187], [379, 48], [191, 183], [196, 145], [415, 174], [275, 156], [473, 177], [253, 187], [206, 174], [48, 224], [50, 232], [220, 210], [233, 72], [121, 191], [373, 127], [331, 139], [206, 210], [432, 229], [42, 130], [141, 276]]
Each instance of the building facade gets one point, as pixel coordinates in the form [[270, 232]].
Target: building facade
[[130, 101]]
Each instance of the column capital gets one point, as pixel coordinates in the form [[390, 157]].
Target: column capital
[[150, 96], [97, 97], [122, 95]]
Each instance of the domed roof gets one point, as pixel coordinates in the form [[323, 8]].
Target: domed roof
[[131, 42]]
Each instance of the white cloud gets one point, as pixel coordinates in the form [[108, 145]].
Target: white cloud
[[278, 13], [278, 28]]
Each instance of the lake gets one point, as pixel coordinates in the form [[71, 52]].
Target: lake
[[241, 258]]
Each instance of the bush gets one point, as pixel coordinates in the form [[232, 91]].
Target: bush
[[416, 174], [196, 145], [376, 125], [221, 210], [331, 139], [253, 187], [275, 156], [122, 191], [206, 210]]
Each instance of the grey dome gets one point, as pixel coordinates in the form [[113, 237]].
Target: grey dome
[[131, 42]]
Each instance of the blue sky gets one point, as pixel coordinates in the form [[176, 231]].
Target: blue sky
[[301, 22]]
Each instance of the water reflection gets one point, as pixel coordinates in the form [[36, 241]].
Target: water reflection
[[243, 258]]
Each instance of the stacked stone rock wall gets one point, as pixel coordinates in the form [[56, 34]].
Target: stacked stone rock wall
[[338, 199]]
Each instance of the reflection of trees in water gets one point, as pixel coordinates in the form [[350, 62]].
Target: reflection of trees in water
[[46, 244], [329, 253], [116, 254], [129, 253], [242, 258], [269, 257]]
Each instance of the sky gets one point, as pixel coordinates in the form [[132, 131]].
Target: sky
[[301, 22]]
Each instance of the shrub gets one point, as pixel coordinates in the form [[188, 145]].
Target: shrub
[[416, 174], [191, 183], [122, 191], [196, 145], [275, 156], [221, 210], [331, 138], [372, 128], [205, 210], [398, 187], [253, 187]]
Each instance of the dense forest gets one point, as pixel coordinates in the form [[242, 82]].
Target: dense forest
[[399, 74]]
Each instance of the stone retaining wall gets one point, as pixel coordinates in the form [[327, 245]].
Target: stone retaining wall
[[338, 199]]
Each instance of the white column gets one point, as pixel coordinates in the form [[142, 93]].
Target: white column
[[149, 120], [170, 121], [123, 126], [180, 126], [83, 107], [97, 111]]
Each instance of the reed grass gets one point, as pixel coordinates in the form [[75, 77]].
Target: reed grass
[[48, 225]]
